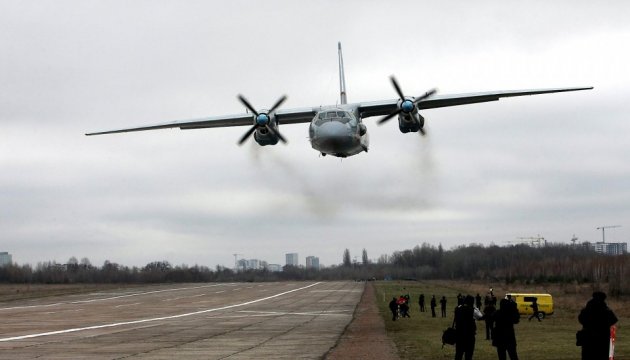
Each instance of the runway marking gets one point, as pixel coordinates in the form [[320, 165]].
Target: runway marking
[[337, 291], [173, 299], [316, 313], [218, 292], [117, 306], [109, 298], [62, 311], [275, 313], [22, 337]]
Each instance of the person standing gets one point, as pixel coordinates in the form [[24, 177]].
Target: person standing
[[478, 301], [465, 329], [504, 337], [443, 306], [460, 299], [596, 319], [421, 302], [433, 305], [393, 307], [488, 311]]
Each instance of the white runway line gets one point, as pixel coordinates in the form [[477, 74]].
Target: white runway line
[[123, 305], [151, 319], [314, 313], [109, 298]]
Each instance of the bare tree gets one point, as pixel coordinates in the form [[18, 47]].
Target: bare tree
[[346, 258]]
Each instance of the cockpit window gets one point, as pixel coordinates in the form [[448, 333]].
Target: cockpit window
[[333, 115]]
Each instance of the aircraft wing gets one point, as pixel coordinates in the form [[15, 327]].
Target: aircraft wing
[[289, 116], [381, 108]]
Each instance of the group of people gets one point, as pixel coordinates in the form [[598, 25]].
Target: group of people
[[399, 307], [596, 319]]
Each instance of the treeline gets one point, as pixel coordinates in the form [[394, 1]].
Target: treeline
[[520, 263]]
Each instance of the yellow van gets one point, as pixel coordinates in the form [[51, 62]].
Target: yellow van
[[524, 303]]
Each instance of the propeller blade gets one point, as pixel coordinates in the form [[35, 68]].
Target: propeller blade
[[398, 90], [426, 95], [247, 104], [391, 115], [278, 103], [248, 134], [276, 133]]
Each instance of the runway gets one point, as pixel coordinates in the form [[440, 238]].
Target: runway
[[290, 320]]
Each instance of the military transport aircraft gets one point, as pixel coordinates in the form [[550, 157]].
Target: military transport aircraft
[[338, 130]]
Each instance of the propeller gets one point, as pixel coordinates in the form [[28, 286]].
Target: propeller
[[406, 105], [262, 119]]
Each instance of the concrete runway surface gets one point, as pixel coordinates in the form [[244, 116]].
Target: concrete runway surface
[[290, 320]]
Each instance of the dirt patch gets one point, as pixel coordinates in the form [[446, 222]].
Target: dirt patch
[[365, 337]]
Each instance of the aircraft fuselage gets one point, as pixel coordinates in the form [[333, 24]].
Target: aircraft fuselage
[[338, 131]]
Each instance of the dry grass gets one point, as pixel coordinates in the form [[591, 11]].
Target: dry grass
[[553, 338]]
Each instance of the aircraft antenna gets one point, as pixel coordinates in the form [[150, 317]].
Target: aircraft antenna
[[342, 80]]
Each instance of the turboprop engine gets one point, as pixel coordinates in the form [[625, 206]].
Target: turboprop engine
[[409, 120], [265, 128]]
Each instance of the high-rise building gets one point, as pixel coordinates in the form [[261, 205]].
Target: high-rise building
[[5, 258], [312, 262], [610, 248], [292, 259]]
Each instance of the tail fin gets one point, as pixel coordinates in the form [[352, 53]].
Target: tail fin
[[342, 80]]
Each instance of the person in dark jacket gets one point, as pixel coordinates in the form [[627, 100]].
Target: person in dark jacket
[[393, 307], [433, 305], [504, 337], [421, 302], [596, 319], [443, 306], [535, 312], [478, 301], [465, 329], [488, 311]]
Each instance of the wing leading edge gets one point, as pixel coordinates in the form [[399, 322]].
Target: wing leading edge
[[291, 116], [380, 108], [366, 109]]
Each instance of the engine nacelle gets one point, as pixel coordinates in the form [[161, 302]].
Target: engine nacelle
[[264, 137], [410, 122]]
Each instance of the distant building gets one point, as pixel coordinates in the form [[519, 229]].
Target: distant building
[[5, 259], [609, 248], [274, 267], [292, 259], [250, 264], [312, 262]]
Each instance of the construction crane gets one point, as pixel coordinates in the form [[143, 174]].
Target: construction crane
[[603, 228]]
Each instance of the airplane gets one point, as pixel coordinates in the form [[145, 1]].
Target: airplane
[[338, 130]]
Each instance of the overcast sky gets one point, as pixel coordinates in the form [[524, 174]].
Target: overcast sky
[[550, 165]]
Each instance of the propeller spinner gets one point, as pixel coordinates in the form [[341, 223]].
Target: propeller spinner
[[407, 105], [262, 119]]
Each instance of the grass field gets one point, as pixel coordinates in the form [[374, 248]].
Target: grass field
[[420, 337]]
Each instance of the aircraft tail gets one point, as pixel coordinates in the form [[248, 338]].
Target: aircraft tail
[[342, 79]]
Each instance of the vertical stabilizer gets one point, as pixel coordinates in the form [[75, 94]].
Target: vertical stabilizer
[[342, 79]]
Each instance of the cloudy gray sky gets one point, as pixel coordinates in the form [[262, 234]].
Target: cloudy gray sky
[[554, 165]]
